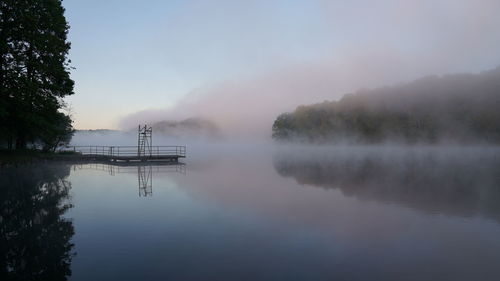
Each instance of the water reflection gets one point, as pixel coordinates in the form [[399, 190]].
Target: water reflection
[[35, 237], [238, 218], [145, 178], [448, 181], [144, 171]]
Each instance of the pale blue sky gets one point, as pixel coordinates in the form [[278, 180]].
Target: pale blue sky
[[133, 56]]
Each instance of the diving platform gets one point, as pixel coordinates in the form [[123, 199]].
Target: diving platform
[[127, 153], [143, 152]]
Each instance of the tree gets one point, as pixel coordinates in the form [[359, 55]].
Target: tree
[[58, 132], [34, 75], [283, 127]]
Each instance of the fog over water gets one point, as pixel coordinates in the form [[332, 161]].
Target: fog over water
[[263, 212], [253, 209]]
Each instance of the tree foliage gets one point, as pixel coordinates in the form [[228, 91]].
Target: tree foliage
[[34, 75], [461, 108]]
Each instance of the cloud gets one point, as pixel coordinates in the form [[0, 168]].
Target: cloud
[[369, 45]]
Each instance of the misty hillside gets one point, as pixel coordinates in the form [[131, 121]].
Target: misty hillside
[[459, 108], [187, 127]]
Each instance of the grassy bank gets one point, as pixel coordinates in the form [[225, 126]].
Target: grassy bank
[[12, 157]]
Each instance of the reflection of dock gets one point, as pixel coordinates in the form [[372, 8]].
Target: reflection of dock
[[144, 170], [114, 168]]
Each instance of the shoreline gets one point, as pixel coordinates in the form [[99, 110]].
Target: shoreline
[[29, 156]]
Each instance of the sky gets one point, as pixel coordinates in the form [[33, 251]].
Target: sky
[[241, 63]]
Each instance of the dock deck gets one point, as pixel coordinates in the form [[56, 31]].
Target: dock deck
[[128, 153]]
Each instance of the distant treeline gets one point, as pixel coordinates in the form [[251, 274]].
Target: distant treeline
[[459, 108], [34, 74], [195, 127]]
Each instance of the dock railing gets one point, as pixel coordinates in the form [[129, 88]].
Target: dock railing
[[124, 151]]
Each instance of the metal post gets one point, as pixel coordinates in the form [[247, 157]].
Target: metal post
[[139, 141]]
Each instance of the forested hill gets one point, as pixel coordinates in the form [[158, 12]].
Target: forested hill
[[460, 108], [191, 127]]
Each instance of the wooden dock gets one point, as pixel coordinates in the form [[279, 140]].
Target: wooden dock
[[127, 153]]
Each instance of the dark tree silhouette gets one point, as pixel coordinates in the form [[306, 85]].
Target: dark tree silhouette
[[34, 236], [34, 73]]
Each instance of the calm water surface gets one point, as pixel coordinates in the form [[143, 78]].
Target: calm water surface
[[249, 213]]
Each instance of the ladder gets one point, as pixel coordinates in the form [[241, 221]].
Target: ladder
[[144, 141]]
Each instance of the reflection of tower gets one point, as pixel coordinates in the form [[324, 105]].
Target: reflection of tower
[[145, 141], [111, 170], [180, 168], [145, 177], [144, 171]]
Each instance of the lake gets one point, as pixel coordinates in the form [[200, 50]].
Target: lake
[[250, 212]]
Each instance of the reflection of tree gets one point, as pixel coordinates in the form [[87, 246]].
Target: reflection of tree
[[457, 183], [35, 237]]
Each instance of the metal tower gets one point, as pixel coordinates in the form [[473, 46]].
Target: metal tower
[[145, 141]]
